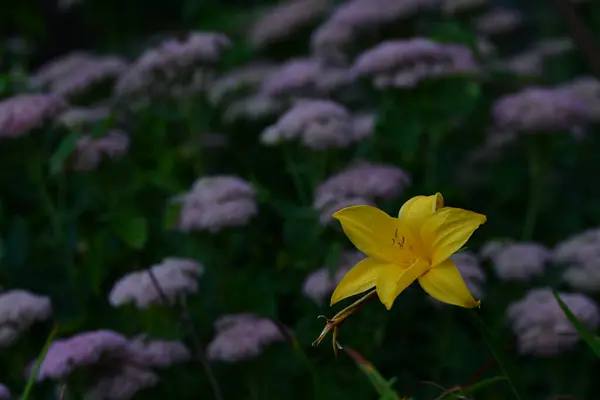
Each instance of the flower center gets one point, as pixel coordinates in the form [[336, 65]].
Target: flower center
[[405, 253]]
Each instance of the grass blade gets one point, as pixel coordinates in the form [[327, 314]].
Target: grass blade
[[583, 332], [36, 369]]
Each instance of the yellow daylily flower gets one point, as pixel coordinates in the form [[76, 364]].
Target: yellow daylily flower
[[415, 246]]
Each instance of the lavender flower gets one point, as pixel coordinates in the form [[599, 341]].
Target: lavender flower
[[541, 326], [253, 108], [527, 63], [580, 254], [20, 309], [322, 282], [4, 392], [306, 77], [242, 336], [364, 125], [498, 21], [158, 69], [471, 272], [539, 109], [244, 80], [405, 63], [90, 152], [361, 181], [520, 261], [318, 124], [283, 21], [161, 353], [59, 67], [587, 90], [23, 113], [75, 73], [78, 117], [122, 383], [355, 18], [217, 202], [84, 350], [176, 277]]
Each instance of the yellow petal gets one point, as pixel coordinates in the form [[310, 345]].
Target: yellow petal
[[392, 280], [360, 278], [445, 284], [416, 210], [372, 231], [447, 231]]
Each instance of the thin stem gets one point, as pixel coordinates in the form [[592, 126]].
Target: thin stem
[[535, 192], [186, 320], [485, 333]]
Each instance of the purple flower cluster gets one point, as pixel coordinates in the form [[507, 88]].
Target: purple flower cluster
[[322, 282], [518, 261], [20, 309], [75, 73], [176, 277], [90, 151], [114, 367], [282, 21], [354, 18], [317, 124], [541, 326], [361, 183], [537, 109], [158, 69], [216, 203], [405, 63], [242, 336], [580, 254], [23, 113]]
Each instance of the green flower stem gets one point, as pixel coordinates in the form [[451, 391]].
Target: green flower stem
[[536, 191]]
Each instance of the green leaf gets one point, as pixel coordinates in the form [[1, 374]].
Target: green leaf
[[65, 149], [132, 230], [583, 332]]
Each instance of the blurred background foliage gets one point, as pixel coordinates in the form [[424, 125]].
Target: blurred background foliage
[[71, 234]]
